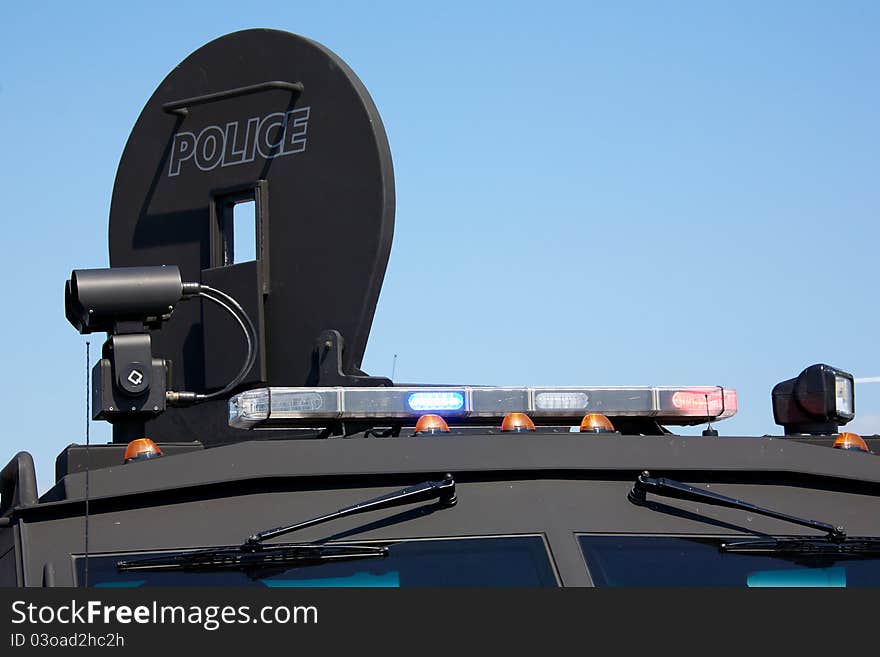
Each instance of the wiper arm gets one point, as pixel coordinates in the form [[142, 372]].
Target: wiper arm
[[254, 552], [443, 490], [645, 484]]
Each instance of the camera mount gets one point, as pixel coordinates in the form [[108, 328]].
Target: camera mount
[[130, 385]]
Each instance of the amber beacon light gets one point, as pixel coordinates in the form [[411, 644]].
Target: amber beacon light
[[517, 422], [596, 423], [141, 450], [851, 441], [431, 424]]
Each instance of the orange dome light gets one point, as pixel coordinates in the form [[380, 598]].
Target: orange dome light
[[141, 450], [851, 441], [431, 424], [517, 422], [596, 423]]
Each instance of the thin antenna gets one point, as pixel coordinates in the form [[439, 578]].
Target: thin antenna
[[393, 367], [88, 466], [709, 431]]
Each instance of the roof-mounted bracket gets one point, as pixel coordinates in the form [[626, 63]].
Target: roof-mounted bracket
[[327, 365]]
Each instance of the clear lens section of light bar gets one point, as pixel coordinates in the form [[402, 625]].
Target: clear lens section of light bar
[[671, 405]]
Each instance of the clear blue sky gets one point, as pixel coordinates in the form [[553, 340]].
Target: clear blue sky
[[590, 193]]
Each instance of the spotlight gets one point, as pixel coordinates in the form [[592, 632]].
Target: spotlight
[[817, 401]]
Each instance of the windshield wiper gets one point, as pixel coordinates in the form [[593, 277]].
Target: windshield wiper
[[835, 543], [851, 546], [645, 484], [255, 553], [236, 558]]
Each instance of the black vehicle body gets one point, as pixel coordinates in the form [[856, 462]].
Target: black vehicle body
[[558, 497], [556, 486]]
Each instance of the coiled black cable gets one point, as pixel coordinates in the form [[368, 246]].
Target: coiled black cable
[[244, 321]]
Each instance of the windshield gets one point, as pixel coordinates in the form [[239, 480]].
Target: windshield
[[494, 561], [668, 561]]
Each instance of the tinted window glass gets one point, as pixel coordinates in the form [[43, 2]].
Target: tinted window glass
[[676, 561], [499, 561]]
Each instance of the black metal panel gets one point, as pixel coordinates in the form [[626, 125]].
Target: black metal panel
[[558, 485], [75, 458], [325, 159], [624, 456], [554, 506]]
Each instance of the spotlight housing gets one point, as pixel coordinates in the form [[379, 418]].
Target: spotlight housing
[[816, 402]]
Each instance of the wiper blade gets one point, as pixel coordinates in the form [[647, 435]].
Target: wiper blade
[[254, 552], [852, 547], [240, 558], [675, 489]]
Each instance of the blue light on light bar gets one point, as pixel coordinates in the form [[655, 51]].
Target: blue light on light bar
[[435, 401]]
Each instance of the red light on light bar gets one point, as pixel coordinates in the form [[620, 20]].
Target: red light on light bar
[[705, 402]]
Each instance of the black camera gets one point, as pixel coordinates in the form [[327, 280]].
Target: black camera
[[99, 299]]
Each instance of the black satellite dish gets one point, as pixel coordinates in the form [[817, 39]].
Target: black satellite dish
[[277, 119]]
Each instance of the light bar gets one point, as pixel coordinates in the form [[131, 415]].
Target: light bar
[[311, 407]]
